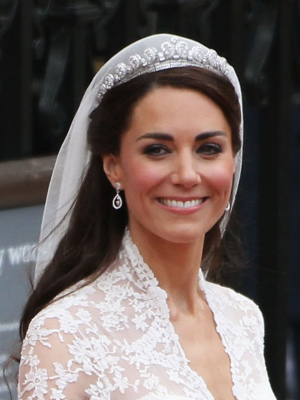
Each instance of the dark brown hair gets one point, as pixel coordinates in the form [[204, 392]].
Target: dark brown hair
[[94, 235]]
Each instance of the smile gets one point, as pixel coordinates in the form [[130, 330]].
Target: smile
[[181, 204]]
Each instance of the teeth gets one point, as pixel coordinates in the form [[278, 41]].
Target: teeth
[[181, 204]]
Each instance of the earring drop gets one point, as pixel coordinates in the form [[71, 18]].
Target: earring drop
[[117, 200], [227, 208]]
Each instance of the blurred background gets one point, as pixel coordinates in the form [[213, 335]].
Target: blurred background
[[49, 52]]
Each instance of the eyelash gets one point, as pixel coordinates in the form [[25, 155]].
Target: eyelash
[[208, 149], [156, 150]]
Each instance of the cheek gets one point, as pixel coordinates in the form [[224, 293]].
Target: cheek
[[222, 177], [141, 177]]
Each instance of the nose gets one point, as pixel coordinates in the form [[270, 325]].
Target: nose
[[185, 172]]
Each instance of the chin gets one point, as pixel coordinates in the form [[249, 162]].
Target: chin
[[181, 235]]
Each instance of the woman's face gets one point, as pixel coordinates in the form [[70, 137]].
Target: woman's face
[[175, 165]]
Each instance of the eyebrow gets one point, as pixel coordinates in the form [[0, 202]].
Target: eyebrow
[[170, 138]]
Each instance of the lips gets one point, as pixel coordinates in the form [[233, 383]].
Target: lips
[[180, 203]]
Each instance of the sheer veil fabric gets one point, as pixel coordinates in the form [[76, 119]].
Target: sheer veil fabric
[[153, 53]]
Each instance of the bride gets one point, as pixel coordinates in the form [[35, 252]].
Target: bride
[[139, 201]]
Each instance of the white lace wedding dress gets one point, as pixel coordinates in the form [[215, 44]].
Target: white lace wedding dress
[[113, 339]]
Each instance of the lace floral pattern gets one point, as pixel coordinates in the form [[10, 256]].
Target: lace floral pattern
[[113, 338]]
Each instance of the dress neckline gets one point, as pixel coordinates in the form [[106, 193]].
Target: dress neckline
[[146, 281], [144, 273]]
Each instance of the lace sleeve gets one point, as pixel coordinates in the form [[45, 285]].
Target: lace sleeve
[[49, 368]]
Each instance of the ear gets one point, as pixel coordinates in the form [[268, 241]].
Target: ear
[[112, 168]]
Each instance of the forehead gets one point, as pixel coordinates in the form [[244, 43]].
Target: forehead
[[177, 107]]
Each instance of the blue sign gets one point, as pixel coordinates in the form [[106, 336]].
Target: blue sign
[[19, 231]]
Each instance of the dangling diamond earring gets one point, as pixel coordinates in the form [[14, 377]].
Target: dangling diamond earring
[[117, 200], [228, 207]]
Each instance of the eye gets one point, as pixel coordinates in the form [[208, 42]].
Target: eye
[[210, 149], [156, 150]]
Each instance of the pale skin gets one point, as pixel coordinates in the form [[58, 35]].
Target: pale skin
[[176, 167]]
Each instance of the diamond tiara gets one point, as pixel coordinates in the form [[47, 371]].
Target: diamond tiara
[[173, 53]]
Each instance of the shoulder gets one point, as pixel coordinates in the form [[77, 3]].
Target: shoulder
[[63, 329], [233, 297], [58, 346], [237, 306], [63, 315], [83, 305]]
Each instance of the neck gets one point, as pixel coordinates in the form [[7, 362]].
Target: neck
[[176, 267]]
